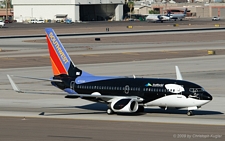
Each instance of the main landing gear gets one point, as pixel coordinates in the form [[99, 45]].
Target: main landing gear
[[109, 111], [140, 109], [190, 113]]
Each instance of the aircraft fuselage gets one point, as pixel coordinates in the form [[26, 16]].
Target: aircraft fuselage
[[150, 89]]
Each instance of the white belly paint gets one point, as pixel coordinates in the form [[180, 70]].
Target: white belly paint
[[176, 101]]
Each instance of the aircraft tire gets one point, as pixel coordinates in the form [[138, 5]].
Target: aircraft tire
[[140, 109], [109, 111], [190, 113]]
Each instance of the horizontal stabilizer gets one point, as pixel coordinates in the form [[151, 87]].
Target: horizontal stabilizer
[[178, 74], [14, 86]]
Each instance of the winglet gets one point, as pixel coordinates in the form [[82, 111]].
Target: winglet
[[14, 86], [179, 76]]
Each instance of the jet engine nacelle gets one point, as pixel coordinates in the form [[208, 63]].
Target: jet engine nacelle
[[126, 105]]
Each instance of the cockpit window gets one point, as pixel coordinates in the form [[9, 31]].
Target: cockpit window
[[196, 90]]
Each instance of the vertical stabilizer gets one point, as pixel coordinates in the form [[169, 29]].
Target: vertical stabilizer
[[60, 60], [185, 11]]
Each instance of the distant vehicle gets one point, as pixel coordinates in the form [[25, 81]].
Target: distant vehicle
[[178, 16], [8, 21], [215, 18], [68, 21], [40, 21], [33, 21], [2, 24]]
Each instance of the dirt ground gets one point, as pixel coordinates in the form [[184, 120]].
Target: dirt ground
[[18, 62], [11, 62]]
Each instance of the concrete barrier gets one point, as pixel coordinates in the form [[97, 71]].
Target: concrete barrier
[[211, 52]]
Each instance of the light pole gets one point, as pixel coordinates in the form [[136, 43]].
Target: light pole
[[32, 13], [203, 11], [6, 4]]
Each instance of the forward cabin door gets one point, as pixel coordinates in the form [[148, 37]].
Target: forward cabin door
[[72, 83]]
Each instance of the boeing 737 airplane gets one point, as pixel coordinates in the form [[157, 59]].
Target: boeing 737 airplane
[[178, 16], [157, 18], [121, 94]]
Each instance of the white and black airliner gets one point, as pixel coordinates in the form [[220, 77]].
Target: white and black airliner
[[121, 94]]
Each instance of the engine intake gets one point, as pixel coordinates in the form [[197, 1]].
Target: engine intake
[[124, 105]]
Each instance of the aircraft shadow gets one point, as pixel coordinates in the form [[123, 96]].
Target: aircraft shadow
[[79, 113], [94, 106], [103, 107], [182, 111]]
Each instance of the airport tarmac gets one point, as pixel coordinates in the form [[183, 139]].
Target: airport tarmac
[[77, 119], [84, 116], [193, 69]]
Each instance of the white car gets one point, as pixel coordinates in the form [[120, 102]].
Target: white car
[[2, 23], [33, 21], [215, 18], [40, 21]]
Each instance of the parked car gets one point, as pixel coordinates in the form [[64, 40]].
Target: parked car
[[215, 18], [33, 21], [2, 24], [68, 21], [8, 21], [40, 21]]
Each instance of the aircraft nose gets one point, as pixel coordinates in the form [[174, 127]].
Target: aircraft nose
[[206, 96]]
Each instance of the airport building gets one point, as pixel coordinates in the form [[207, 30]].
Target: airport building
[[76, 10], [198, 10]]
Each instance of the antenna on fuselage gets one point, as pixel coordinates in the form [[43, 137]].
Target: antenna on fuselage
[[178, 74]]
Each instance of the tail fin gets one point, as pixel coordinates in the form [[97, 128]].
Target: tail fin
[[185, 11], [60, 60], [169, 13]]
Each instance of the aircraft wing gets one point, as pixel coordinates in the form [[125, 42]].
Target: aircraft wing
[[104, 97], [17, 89], [44, 79]]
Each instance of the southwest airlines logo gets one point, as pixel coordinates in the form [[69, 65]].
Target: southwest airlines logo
[[148, 85], [59, 49]]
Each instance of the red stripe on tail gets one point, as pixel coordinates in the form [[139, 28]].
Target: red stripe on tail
[[57, 66]]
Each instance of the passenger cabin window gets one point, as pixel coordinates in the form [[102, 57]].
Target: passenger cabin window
[[196, 90]]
